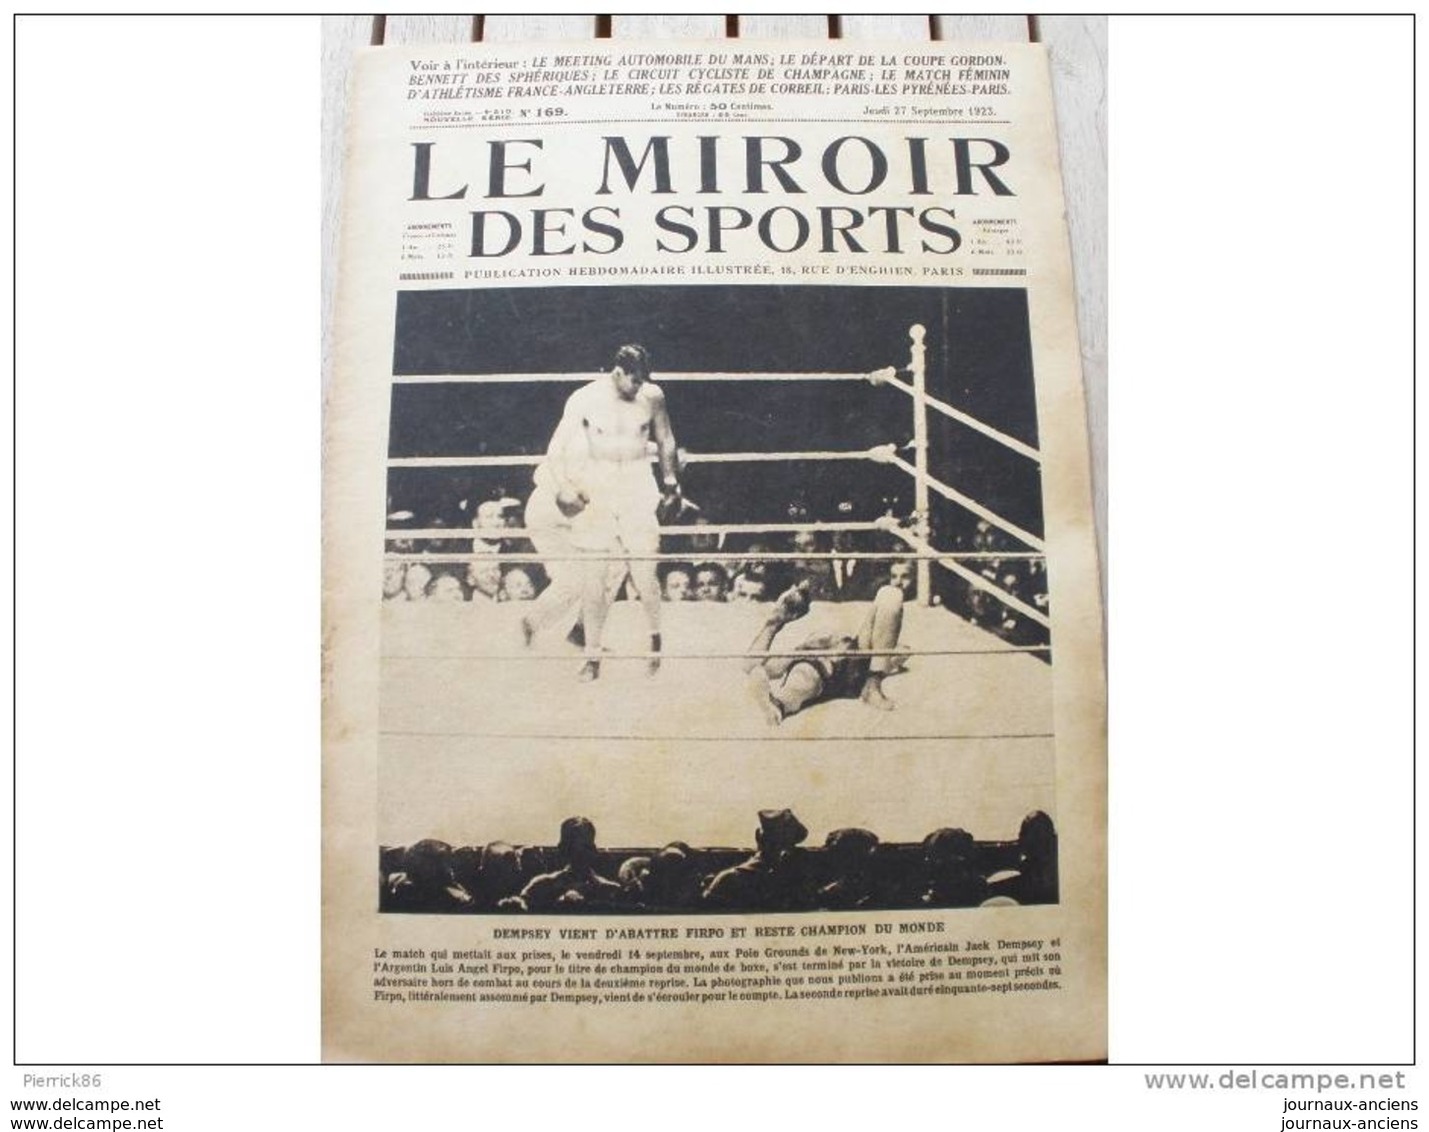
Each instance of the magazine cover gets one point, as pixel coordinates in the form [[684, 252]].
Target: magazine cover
[[713, 655]]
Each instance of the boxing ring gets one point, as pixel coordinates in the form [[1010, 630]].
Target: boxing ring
[[463, 669]]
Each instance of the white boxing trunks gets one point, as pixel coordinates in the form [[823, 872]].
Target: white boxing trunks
[[621, 511]]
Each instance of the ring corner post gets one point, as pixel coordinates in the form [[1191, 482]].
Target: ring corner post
[[918, 368]]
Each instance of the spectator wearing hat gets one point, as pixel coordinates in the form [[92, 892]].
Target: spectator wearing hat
[[398, 522], [493, 519], [1035, 881], [774, 878]]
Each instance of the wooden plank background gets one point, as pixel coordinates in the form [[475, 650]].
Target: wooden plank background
[[1078, 50]]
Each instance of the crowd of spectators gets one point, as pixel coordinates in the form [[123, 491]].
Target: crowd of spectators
[[478, 581], [490, 577], [852, 870], [736, 570], [1023, 578], [715, 567]]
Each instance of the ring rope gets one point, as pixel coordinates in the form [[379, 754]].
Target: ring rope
[[874, 376], [802, 654], [950, 563], [519, 557], [880, 454], [889, 375], [961, 417], [876, 454], [683, 529], [886, 524], [723, 737], [971, 504]]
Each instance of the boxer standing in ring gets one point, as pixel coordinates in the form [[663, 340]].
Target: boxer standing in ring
[[598, 468]]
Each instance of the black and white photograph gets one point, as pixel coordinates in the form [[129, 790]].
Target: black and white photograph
[[759, 528], [662, 613], [712, 557]]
